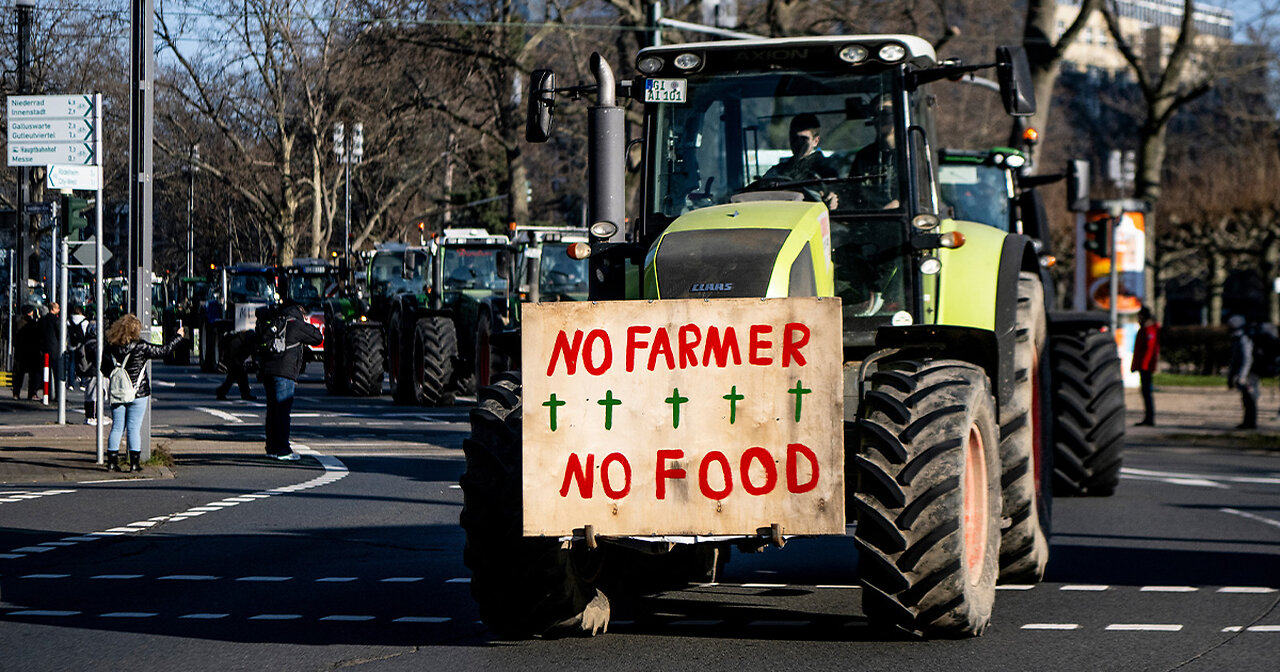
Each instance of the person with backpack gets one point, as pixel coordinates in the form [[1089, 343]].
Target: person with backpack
[[280, 334], [1241, 374], [87, 370], [75, 345], [235, 349], [129, 385]]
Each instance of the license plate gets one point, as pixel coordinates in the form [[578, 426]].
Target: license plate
[[665, 90]]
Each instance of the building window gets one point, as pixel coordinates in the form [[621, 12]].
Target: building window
[[1088, 35]]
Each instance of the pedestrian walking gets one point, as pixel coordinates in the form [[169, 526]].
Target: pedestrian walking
[[76, 324], [26, 354], [126, 351], [51, 347], [235, 348], [1146, 352], [1241, 374], [280, 335]]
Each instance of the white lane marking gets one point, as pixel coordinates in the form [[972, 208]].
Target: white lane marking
[[58, 543], [1233, 628], [187, 577], [1015, 586], [221, 415], [1051, 626], [1168, 589], [422, 619], [129, 614], [764, 585], [1086, 588], [46, 576], [205, 617], [1246, 589], [1263, 628], [160, 383], [334, 470], [43, 612], [1144, 627], [336, 579], [833, 586], [117, 577], [1252, 516], [275, 617], [1182, 478], [346, 618], [402, 579], [265, 578]]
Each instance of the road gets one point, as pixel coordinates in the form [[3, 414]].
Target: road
[[351, 559]]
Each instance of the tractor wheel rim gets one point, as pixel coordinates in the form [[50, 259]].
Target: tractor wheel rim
[[975, 504]]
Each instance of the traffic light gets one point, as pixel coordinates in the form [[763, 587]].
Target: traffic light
[[79, 214], [1097, 235]]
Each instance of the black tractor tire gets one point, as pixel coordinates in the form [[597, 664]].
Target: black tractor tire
[[524, 586], [489, 360], [335, 373], [1088, 406], [1024, 537], [362, 362], [927, 498], [435, 348], [399, 362]]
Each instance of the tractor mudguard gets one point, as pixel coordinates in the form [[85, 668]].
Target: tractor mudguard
[[975, 292]]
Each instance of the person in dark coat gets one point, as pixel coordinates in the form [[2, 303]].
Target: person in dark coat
[[279, 373], [50, 345], [26, 354], [235, 348], [1240, 373], [125, 347]]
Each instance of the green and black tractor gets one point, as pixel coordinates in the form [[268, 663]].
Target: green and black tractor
[[1087, 394], [240, 291]]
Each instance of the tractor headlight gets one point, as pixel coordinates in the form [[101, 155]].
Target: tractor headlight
[[892, 52], [925, 221], [930, 265], [649, 65], [688, 61]]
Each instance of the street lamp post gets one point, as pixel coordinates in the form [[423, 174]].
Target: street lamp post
[[193, 167], [349, 152]]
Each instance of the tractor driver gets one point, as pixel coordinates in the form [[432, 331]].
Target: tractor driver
[[807, 161], [873, 172]]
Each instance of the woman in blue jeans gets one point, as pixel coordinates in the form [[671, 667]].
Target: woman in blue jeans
[[126, 348]]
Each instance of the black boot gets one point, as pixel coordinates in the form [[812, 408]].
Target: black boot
[[113, 461], [133, 461]]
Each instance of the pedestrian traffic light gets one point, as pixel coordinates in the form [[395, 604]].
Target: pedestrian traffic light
[[79, 212], [1097, 235]]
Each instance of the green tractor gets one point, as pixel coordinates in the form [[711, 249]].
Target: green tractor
[[355, 347], [1087, 395], [793, 182], [188, 296], [241, 290]]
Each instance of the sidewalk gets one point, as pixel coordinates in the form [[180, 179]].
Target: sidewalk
[[35, 450]]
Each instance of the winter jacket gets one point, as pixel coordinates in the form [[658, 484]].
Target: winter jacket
[[138, 352], [1146, 349], [297, 333]]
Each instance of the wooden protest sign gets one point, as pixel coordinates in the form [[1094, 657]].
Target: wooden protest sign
[[683, 417]]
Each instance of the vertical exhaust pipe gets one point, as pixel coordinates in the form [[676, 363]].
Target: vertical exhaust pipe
[[606, 199]]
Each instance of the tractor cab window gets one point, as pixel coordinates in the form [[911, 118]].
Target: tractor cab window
[[252, 288], [561, 276], [395, 272], [820, 136], [307, 289], [471, 269], [977, 193]]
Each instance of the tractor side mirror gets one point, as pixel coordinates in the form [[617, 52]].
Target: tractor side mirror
[[503, 262], [1016, 88], [539, 117], [1078, 185]]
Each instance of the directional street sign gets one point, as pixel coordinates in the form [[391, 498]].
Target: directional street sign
[[51, 107], [84, 252], [50, 130], [74, 177], [46, 130], [80, 154]]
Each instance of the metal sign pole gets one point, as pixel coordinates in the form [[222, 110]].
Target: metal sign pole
[[99, 338], [61, 370]]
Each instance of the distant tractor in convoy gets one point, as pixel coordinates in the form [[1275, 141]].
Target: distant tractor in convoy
[[188, 296], [306, 282], [812, 337], [240, 291], [1086, 387]]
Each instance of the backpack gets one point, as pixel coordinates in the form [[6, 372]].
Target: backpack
[[120, 388], [1266, 349], [271, 336]]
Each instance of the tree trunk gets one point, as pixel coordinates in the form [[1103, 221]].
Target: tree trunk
[[1217, 278]]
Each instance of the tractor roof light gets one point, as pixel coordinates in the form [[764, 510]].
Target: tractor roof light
[[1015, 161], [579, 251], [1031, 136], [853, 54], [892, 52], [687, 61], [925, 221], [650, 65]]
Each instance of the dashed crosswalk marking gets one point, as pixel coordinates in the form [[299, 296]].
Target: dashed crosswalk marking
[[276, 617], [130, 614], [1051, 626], [1168, 589], [347, 618], [1144, 627], [1251, 590], [204, 617], [1085, 588], [14, 496], [265, 579]]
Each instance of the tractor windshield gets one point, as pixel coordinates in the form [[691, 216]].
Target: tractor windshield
[[394, 272], [471, 268], [308, 288], [977, 193], [253, 288], [824, 136]]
